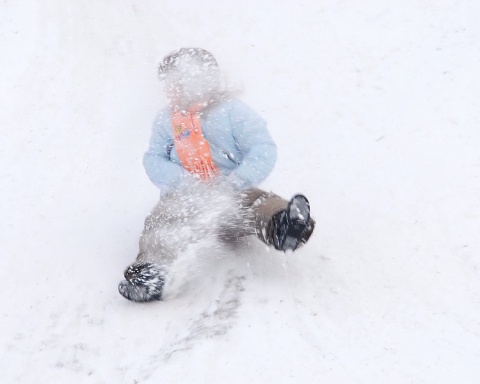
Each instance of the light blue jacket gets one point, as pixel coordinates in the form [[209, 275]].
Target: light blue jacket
[[241, 146]]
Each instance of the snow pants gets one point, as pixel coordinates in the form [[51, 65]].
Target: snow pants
[[188, 216], [166, 233]]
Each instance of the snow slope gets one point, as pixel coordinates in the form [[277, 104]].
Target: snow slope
[[376, 111]]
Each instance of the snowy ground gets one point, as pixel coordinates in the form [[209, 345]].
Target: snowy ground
[[375, 106]]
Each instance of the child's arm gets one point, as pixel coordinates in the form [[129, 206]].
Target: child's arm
[[254, 141], [157, 162]]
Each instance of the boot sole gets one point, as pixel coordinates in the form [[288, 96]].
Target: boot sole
[[298, 211]]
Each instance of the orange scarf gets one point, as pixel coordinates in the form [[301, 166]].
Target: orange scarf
[[192, 147]]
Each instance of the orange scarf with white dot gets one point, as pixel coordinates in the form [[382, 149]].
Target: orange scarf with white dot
[[192, 148]]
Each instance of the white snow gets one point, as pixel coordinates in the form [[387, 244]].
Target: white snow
[[375, 107]]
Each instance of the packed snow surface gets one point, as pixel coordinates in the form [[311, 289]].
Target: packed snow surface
[[375, 108]]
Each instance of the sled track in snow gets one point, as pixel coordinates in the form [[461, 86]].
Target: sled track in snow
[[213, 322]]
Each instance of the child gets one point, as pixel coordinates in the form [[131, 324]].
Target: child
[[206, 134]]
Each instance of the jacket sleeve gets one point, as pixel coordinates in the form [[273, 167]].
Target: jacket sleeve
[[157, 162], [255, 143]]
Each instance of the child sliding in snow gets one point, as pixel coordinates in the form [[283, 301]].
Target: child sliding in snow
[[222, 145]]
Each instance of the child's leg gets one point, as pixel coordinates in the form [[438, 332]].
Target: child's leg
[[278, 222], [145, 277]]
